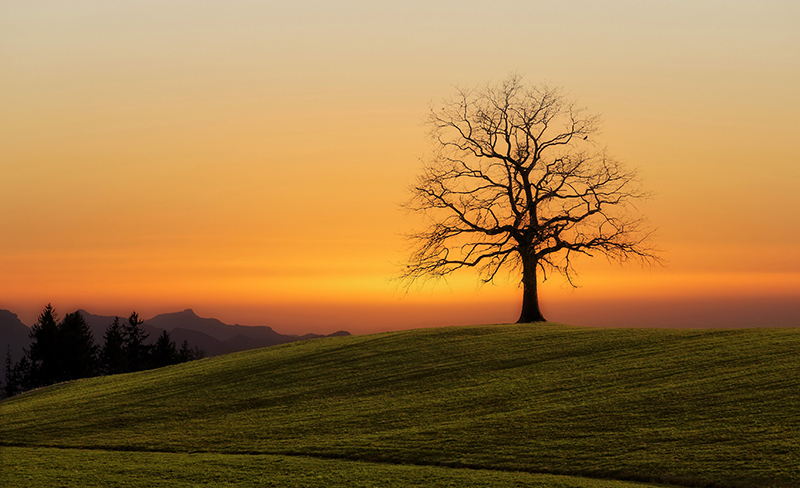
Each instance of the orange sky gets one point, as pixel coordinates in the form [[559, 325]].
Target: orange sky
[[246, 159]]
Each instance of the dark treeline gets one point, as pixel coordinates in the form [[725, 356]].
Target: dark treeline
[[66, 350]]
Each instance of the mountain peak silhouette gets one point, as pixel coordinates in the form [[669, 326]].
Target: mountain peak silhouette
[[212, 335]]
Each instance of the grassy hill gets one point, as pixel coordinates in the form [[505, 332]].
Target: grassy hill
[[688, 407]]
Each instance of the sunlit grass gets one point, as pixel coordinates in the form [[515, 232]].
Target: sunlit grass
[[39, 467], [701, 407]]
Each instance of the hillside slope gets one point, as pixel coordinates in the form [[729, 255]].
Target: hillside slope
[[692, 407]]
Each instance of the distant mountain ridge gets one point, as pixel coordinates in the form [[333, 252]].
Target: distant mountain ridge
[[14, 336], [210, 334]]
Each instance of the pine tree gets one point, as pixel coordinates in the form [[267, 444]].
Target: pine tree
[[164, 351], [185, 353], [113, 357], [22, 376], [44, 356], [135, 348], [198, 352], [10, 388], [78, 351]]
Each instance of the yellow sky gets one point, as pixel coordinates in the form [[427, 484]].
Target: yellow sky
[[246, 159]]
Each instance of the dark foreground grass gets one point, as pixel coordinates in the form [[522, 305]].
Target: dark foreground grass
[[42, 467], [691, 407]]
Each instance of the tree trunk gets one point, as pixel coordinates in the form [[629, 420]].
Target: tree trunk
[[530, 293]]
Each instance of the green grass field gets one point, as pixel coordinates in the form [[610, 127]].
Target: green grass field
[[39, 467], [506, 404]]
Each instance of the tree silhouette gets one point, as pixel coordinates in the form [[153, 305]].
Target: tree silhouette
[[23, 376], [65, 351], [164, 351], [77, 351], [113, 357], [187, 353], [136, 350], [10, 388], [44, 355], [517, 182]]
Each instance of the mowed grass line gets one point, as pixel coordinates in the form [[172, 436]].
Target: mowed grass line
[[44, 467], [691, 407]]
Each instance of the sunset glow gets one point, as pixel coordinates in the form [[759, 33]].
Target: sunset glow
[[248, 159]]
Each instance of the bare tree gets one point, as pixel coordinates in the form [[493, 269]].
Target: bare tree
[[517, 182]]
